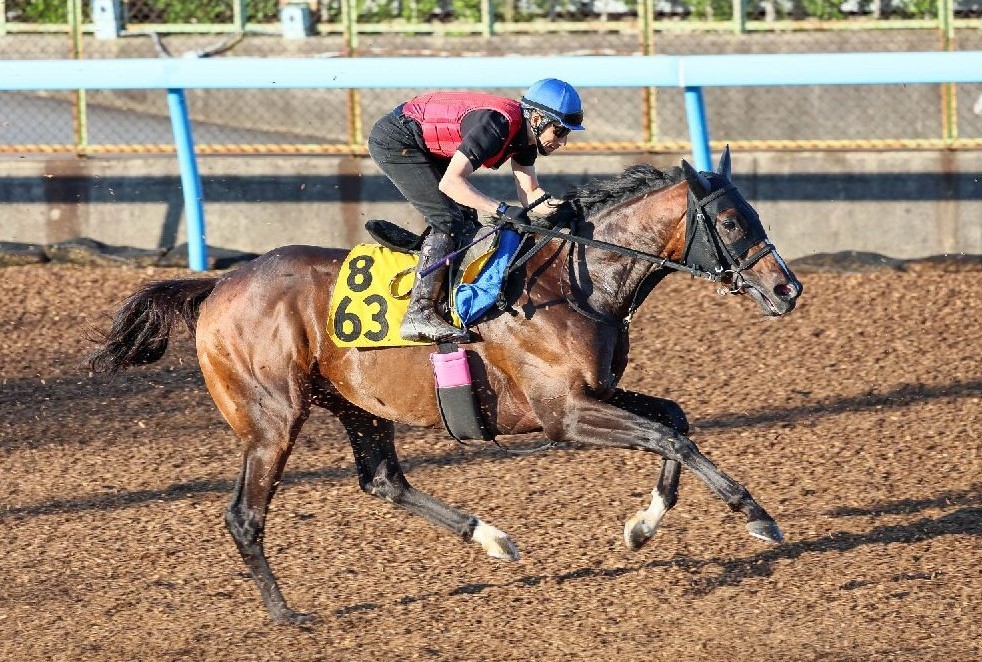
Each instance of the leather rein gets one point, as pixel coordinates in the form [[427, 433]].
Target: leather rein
[[714, 260]]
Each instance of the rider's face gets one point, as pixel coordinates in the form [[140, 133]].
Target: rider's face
[[553, 137]]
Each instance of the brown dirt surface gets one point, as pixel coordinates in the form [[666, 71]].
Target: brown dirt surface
[[856, 421]]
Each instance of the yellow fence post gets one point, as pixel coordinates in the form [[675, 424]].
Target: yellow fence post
[[79, 118], [949, 115], [739, 16], [487, 18], [646, 24], [349, 18], [240, 15]]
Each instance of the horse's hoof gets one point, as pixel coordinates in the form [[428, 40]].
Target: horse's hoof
[[765, 530], [495, 542], [290, 617], [637, 532]]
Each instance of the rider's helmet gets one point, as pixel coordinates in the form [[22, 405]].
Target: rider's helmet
[[557, 101]]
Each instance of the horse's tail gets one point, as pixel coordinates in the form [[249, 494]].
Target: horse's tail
[[141, 326]]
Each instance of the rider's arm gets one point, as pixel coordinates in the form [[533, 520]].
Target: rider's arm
[[527, 186], [484, 134], [455, 185]]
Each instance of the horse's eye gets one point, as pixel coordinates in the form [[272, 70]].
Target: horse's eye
[[729, 224]]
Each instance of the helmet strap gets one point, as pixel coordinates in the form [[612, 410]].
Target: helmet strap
[[538, 128]]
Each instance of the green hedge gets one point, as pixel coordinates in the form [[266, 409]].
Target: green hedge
[[164, 11], [374, 11], [42, 11]]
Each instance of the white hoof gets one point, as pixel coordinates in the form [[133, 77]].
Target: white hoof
[[642, 527], [766, 530], [495, 542], [638, 531]]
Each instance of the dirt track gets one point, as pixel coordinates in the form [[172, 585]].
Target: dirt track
[[856, 422]]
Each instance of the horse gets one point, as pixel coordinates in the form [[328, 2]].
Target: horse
[[549, 364]]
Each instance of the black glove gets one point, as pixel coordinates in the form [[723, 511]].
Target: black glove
[[512, 213]]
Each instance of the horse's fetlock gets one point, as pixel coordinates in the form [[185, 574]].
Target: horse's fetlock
[[467, 535], [743, 502], [386, 489]]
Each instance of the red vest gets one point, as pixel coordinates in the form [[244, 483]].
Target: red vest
[[439, 115]]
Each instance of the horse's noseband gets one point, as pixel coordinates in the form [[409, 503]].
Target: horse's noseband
[[735, 276]]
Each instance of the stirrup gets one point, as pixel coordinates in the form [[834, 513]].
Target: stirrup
[[420, 333], [423, 323]]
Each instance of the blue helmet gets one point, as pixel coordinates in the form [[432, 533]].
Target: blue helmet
[[556, 99]]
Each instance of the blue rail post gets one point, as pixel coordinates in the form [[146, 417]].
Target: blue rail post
[[695, 111], [190, 180]]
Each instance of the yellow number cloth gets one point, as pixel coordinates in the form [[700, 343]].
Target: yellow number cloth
[[370, 297]]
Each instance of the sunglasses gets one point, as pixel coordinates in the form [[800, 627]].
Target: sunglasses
[[559, 130]]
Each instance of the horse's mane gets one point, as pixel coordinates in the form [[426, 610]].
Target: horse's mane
[[599, 194]]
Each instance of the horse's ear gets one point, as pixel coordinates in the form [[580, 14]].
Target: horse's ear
[[724, 164], [697, 181]]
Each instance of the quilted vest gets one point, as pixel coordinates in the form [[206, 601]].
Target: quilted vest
[[439, 115]]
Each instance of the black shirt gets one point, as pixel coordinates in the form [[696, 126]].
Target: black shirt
[[484, 133]]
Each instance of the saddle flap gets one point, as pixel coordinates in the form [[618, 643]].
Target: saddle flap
[[483, 278]]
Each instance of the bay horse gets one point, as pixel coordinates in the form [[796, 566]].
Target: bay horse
[[552, 366]]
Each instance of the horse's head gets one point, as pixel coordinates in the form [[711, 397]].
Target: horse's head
[[724, 236]]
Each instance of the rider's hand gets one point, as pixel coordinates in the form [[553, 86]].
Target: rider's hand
[[512, 213]]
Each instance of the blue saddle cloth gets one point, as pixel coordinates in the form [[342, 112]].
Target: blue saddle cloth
[[472, 300]]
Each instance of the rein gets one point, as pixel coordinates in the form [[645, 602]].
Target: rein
[[716, 261], [615, 248]]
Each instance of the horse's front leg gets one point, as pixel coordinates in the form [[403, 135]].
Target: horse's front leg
[[589, 421], [641, 528]]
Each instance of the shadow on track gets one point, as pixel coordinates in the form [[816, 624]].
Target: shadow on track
[[732, 572]]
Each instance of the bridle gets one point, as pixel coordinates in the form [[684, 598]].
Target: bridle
[[706, 251], [705, 254]]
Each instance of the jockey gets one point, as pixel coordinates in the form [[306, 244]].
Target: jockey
[[430, 145]]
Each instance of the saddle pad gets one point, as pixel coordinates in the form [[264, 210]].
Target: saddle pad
[[370, 297]]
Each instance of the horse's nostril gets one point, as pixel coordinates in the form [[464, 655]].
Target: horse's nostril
[[785, 290]]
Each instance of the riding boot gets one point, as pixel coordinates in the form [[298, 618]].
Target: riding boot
[[422, 321]]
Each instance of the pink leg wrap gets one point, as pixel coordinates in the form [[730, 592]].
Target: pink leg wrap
[[451, 369]]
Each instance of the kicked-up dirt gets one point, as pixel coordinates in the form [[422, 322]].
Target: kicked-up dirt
[[856, 422]]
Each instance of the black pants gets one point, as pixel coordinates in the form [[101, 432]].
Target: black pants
[[394, 145]]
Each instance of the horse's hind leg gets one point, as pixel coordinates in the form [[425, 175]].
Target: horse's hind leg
[[379, 474], [269, 431], [641, 528]]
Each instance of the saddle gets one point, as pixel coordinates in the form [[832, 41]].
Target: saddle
[[451, 370], [477, 276]]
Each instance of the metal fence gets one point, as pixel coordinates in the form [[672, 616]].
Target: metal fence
[[313, 121]]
